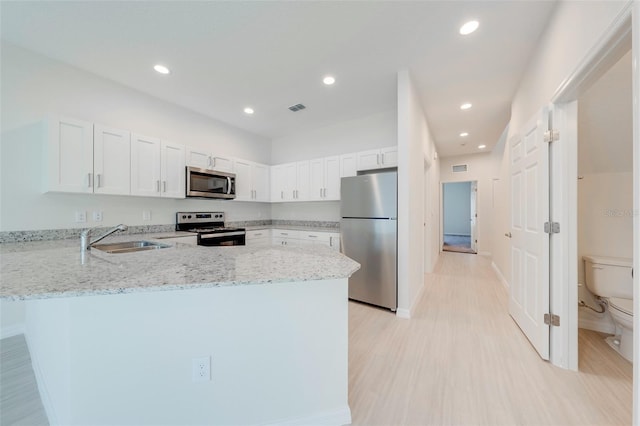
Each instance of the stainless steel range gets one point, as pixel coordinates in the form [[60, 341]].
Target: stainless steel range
[[210, 228]]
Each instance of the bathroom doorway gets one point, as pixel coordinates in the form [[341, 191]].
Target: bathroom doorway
[[460, 218], [605, 203]]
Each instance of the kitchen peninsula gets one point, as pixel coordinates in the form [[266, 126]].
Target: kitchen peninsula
[[116, 339]]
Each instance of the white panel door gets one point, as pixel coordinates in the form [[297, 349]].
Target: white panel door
[[242, 169], [332, 178], [145, 166], [302, 181], [316, 179], [474, 216], [368, 160], [198, 158], [69, 155], [278, 176], [222, 164], [348, 165], [260, 180], [529, 287], [389, 157], [173, 172], [290, 181], [111, 161]]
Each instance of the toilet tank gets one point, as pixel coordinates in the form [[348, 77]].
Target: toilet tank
[[609, 276]]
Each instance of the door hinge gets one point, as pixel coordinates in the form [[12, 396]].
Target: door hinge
[[551, 319], [551, 136], [552, 227]]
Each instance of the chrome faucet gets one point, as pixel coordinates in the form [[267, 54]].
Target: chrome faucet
[[86, 235]]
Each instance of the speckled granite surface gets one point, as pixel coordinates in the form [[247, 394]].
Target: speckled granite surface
[[47, 269]]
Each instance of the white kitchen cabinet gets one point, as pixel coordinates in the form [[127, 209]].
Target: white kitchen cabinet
[[324, 178], [330, 239], [172, 171], [204, 159], [349, 165], [378, 158], [111, 161], [290, 182], [252, 181], [285, 237], [157, 168], [258, 237], [84, 158]]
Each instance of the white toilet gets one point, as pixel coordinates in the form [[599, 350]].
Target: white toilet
[[611, 278]]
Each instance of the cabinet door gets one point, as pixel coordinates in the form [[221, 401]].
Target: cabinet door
[[278, 174], [173, 173], [222, 164], [334, 241], [331, 178], [242, 169], [302, 181], [368, 160], [111, 161], [290, 178], [198, 158], [145, 166], [316, 179], [260, 179], [389, 157], [348, 165], [69, 155]]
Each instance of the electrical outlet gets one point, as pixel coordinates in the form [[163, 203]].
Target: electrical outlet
[[97, 216], [146, 214], [201, 369], [81, 216]]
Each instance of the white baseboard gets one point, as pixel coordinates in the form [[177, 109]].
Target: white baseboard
[[501, 277], [327, 418], [403, 313], [484, 253], [596, 325], [42, 388], [11, 330], [406, 313]]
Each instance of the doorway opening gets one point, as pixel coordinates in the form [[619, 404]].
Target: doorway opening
[[460, 218]]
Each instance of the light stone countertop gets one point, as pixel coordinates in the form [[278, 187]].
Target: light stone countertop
[[48, 269]]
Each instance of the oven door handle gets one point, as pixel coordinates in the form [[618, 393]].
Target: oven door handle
[[228, 185], [221, 234]]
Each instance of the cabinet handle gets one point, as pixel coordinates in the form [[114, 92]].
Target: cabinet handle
[[89, 180], [157, 186], [213, 162], [378, 159], [320, 192], [210, 162], [312, 236], [99, 180], [325, 193], [282, 195], [164, 186], [382, 157], [330, 241]]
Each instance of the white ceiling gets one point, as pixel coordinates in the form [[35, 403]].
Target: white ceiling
[[270, 55]]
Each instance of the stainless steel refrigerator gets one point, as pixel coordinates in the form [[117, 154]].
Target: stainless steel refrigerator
[[368, 228]]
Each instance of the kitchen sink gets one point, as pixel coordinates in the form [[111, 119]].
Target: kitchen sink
[[130, 246]]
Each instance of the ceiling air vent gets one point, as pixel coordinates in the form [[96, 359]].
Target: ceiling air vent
[[297, 107], [459, 168]]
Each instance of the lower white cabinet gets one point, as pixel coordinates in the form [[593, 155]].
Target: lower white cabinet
[[258, 237], [288, 237], [285, 237]]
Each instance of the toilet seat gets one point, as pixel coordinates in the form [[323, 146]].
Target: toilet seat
[[623, 305]]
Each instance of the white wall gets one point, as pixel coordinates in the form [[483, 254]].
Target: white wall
[[456, 198], [485, 169], [325, 211], [267, 343], [415, 148], [375, 131], [572, 30], [34, 86]]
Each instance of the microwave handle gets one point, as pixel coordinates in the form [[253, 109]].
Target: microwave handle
[[228, 185]]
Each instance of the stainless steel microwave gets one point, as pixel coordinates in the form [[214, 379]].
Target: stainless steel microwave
[[204, 183]]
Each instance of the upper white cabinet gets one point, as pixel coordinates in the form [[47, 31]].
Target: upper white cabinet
[[252, 181], [290, 182], [157, 168], [111, 150], [206, 160], [378, 158], [82, 158], [349, 165], [324, 178]]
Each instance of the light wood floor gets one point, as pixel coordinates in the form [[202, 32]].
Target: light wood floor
[[461, 360]]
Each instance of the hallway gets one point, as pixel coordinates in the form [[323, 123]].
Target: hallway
[[462, 360]]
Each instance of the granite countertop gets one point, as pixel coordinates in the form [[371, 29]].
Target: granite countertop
[[48, 269]]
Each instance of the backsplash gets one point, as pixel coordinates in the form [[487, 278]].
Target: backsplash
[[61, 234]]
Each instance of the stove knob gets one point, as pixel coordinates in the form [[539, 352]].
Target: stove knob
[[189, 216], [184, 216]]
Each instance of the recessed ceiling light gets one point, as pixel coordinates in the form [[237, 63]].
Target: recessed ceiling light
[[328, 80], [248, 110], [465, 106], [469, 27], [464, 134], [482, 146], [161, 69]]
